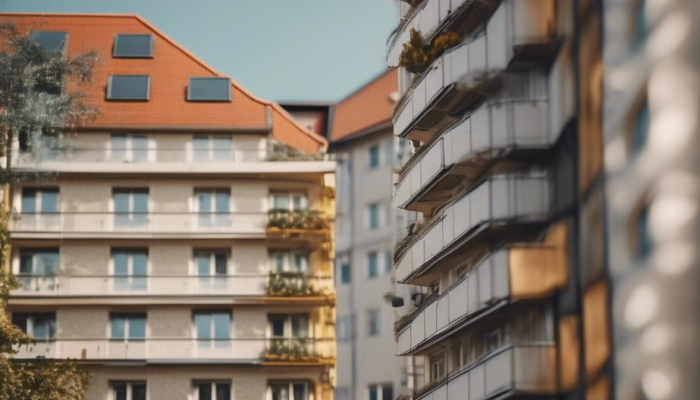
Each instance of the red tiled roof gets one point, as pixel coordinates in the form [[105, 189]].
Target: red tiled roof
[[369, 106], [170, 70]]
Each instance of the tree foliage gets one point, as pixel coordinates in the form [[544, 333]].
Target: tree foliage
[[34, 103]]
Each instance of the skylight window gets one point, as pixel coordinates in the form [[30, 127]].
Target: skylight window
[[133, 46], [209, 89], [50, 41], [128, 87]]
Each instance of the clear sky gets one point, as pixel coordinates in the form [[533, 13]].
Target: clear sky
[[279, 49]]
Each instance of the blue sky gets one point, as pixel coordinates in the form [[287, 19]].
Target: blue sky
[[279, 49]]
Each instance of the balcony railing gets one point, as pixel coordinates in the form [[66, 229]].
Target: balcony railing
[[235, 350], [499, 199], [449, 85], [522, 368], [428, 17], [172, 285], [489, 133]]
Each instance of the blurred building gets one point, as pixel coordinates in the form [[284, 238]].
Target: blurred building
[[184, 249], [361, 139], [555, 176]]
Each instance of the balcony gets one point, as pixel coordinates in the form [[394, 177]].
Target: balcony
[[498, 202], [496, 131], [518, 272], [431, 16], [528, 369], [244, 351], [173, 161], [173, 285], [465, 75]]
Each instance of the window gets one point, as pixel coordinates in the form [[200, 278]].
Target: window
[[372, 264], [640, 28], [211, 266], [388, 261], [212, 148], [127, 326], [39, 201], [130, 207], [129, 390], [437, 367], [212, 391], [343, 393], [133, 46], [345, 274], [389, 153], [645, 243], [289, 261], [40, 326], [50, 41], [132, 148], [289, 391], [374, 322], [344, 329], [374, 216], [130, 269], [128, 87], [213, 207], [288, 326], [493, 339], [209, 89], [38, 268], [381, 392], [641, 128], [213, 328], [374, 156], [289, 201]]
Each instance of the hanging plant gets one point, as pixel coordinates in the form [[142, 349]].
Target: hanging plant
[[417, 56]]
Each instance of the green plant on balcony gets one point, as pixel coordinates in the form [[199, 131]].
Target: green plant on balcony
[[301, 219], [296, 349], [291, 284], [417, 55], [281, 152]]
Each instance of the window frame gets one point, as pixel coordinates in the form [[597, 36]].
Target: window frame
[[211, 148], [374, 322], [30, 321], [213, 218], [290, 194], [379, 389], [129, 389], [212, 340], [129, 150], [64, 44], [290, 388], [110, 87], [213, 383], [288, 330], [372, 270], [130, 213], [135, 282], [210, 78], [116, 43], [289, 258], [374, 156], [128, 316]]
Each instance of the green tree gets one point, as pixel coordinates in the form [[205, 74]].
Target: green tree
[[35, 103]]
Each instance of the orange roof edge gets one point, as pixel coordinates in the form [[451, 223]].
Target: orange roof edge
[[323, 143]]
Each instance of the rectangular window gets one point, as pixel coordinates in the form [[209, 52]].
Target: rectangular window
[[129, 148], [345, 274], [344, 329], [493, 339], [50, 41], [128, 390], [133, 46], [212, 268], [289, 391], [381, 392], [372, 264], [213, 207], [374, 156], [39, 201], [213, 328], [212, 391], [437, 367], [40, 326], [288, 201], [127, 326], [209, 89], [374, 216], [128, 87], [130, 269], [38, 269], [388, 261], [374, 322], [389, 153], [289, 261], [290, 326], [212, 148], [130, 207]]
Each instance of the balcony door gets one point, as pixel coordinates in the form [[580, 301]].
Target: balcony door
[[212, 148], [40, 209], [129, 148], [213, 329], [130, 208], [212, 268], [213, 207], [38, 269], [289, 391], [130, 269]]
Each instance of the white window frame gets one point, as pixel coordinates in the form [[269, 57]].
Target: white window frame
[[288, 331], [374, 316], [379, 264], [129, 389], [31, 317], [211, 151], [289, 258], [291, 388], [369, 156], [213, 383], [379, 387], [126, 337], [39, 198], [213, 216], [291, 194], [381, 217], [130, 268], [129, 150], [437, 362]]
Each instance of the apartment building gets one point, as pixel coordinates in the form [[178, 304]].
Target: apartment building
[[651, 136], [507, 176], [183, 248], [358, 128]]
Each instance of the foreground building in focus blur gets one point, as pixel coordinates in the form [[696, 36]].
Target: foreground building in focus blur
[[536, 251], [184, 249]]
